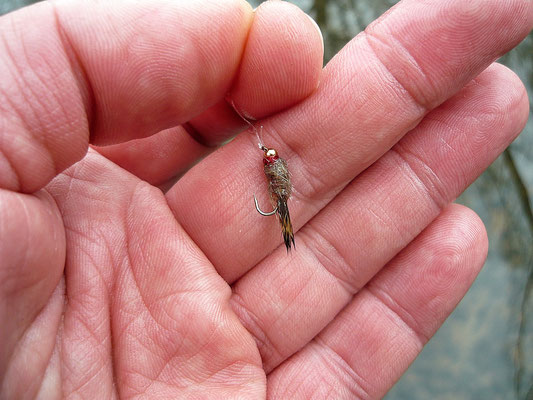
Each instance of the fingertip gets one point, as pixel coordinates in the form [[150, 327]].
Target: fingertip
[[450, 253], [317, 27], [468, 232], [282, 62], [512, 101]]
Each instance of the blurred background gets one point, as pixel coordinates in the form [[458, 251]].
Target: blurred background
[[485, 349]]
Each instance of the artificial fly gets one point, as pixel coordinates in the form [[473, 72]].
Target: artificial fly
[[279, 187]]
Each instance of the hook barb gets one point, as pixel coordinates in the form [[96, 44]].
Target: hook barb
[[264, 214]]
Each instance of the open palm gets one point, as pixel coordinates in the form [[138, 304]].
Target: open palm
[[111, 288]]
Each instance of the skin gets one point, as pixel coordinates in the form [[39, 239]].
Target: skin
[[111, 288]]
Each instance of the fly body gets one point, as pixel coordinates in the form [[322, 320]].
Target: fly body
[[279, 188]]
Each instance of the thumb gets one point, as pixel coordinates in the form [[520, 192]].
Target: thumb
[[106, 72]]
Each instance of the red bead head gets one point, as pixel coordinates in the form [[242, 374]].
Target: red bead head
[[270, 157]]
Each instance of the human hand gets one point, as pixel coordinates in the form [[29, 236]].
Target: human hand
[[111, 289]]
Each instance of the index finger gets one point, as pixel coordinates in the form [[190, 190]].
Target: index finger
[[374, 91]]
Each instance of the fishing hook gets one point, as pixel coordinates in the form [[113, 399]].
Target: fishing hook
[[264, 214]]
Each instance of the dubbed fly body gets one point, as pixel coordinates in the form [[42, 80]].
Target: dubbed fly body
[[279, 187]]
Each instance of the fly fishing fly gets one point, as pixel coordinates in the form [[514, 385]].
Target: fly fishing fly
[[279, 186]]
